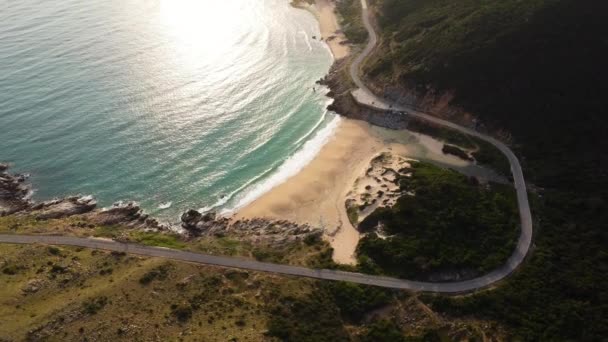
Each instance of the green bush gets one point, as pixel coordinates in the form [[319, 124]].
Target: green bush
[[92, 306], [450, 224], [158, 273]]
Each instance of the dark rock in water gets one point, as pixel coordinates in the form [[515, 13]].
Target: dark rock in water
[[69, 206], [14, 198], [190, 218], [14, 195]]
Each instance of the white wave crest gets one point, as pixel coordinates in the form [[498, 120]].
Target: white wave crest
[[307, 40], [289, 168], [224, 199], [165, 205]]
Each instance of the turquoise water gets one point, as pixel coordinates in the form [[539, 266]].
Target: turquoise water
[[196, 103]]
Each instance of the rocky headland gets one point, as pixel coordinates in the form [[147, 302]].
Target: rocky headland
[[15, 199]]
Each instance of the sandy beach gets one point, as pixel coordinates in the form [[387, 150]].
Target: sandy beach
[[329, 28], [324, 11], [316, 195]]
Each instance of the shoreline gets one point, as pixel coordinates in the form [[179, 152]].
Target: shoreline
[[316, 194], [324, 12]]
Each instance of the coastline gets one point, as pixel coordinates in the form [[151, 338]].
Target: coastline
[[324, 12], [316, 194]]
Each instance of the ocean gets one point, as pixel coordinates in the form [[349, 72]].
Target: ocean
[[175, 104]]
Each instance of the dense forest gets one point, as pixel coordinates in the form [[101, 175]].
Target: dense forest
[[535, 69], [450, 227]]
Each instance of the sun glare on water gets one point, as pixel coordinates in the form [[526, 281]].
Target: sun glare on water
[[204, 29]]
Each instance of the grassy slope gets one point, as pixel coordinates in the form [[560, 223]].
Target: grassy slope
[[68, 294], [537, 69], [311, 253]]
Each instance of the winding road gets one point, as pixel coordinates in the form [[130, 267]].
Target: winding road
[[367, 98]]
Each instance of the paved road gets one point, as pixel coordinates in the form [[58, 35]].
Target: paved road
[[243, 263], [364, 96]]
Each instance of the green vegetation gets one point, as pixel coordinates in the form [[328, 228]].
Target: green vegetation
[[354, 300], [93, 305], [490, 156], [353, 214], [67, 293], [383, 330], [483, 152], [159, 273], [447, 135], [450, 224], [351, 23], [160, 240], [311, 318], [536, 70]]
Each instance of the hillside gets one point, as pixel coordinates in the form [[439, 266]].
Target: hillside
[[534, 71], [532, 68], [56, 293]]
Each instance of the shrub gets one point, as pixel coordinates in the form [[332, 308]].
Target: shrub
[[92, 306], [159, 273]]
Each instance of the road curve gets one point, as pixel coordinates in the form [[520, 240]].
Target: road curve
[[365, 97], [233, 262]]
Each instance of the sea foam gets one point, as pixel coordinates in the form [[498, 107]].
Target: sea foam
[[289, 168]]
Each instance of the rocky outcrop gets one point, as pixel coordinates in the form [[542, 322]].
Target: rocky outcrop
[[15, 199], [345, 105], [456, 151], [14, 193], [125, 213], [257, 230], [266, 231], [195, 222], [58, 208]]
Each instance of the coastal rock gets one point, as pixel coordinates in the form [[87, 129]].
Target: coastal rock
[[257, 230], [344, 104], [196, 223], [190, 218], [68, 206], [14, 194], [125, 213]]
